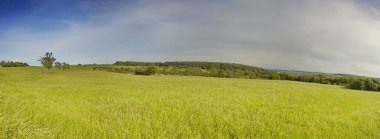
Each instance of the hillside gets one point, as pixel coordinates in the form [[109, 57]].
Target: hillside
[[232, 70], [213, 69], [83, 103]]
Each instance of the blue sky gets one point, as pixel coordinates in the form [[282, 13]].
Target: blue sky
[[340, 36], [38, 15]]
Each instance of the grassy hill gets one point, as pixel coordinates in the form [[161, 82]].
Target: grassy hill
[[83, 103]]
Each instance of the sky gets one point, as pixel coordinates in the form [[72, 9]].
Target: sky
[[334, 36]]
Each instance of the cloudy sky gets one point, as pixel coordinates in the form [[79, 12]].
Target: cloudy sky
[[336, 36]]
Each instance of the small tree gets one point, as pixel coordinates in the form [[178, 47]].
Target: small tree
[[58, 65], [371, 85], [151, 70], [47, 61]]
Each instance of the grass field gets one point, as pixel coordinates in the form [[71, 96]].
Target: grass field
[[94, 104]]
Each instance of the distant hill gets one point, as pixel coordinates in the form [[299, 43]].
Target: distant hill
[[316, 73], [298, 72]]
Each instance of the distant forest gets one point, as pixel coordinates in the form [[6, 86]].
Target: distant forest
[[232, 70], [210, 69]]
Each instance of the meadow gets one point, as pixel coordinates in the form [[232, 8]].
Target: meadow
[[83, 103]]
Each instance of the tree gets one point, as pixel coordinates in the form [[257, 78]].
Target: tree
[[275, 76], [151, 70], [371, 85], [357, 84], [213, 72], [238, 73], [222, 73], [47, 61], [58, 65]]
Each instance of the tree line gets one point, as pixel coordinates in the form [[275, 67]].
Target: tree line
[[210, 69], [232, 70], [352, 82], [13, 64]]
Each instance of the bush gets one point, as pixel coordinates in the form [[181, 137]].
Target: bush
[[140, 71], [357, 85], [151, 70]]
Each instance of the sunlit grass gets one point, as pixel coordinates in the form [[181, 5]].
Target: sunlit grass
[[94, 104]]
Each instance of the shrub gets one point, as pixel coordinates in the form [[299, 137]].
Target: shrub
[[357, 85], [13, 64], [151, 70]]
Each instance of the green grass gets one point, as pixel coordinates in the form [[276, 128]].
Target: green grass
[[94, 104]]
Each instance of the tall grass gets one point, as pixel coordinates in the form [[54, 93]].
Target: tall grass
[[94, 104]]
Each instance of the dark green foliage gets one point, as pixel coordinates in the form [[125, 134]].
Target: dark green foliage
[[275, 76], [357, 84], [371, 85], [193, 71], [13, 64], [140, 71], [150, 70], [47, 61], [124, 70], [364, 84]]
